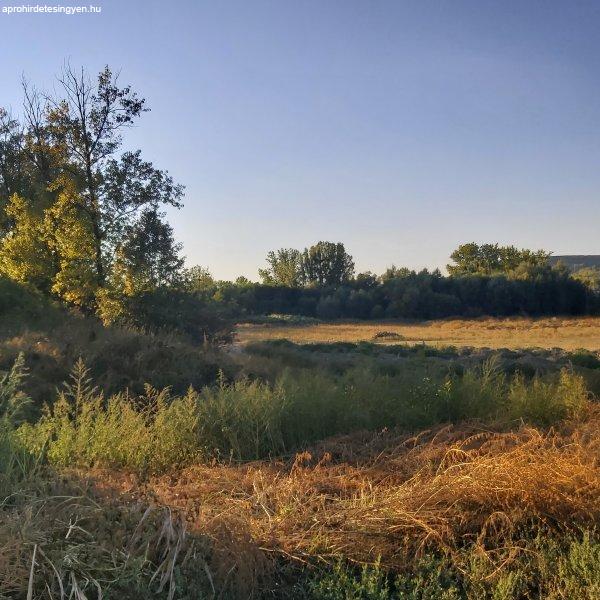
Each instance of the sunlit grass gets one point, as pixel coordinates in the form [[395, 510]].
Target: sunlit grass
[[557, 332]]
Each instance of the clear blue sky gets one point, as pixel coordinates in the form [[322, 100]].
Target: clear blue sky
[[400, 128]]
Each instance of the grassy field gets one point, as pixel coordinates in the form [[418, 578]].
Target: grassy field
[[557, 332]]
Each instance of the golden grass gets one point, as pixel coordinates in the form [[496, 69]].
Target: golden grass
[[569, 333], [387, 495]]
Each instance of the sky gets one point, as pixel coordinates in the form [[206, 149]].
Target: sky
[[401, 128]]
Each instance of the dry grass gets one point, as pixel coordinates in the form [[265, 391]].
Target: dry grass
[[385, 495], [359, 498], [515, 332]]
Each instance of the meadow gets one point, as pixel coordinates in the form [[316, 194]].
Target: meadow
[[569, 333]]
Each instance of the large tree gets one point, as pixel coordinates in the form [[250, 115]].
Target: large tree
[[87, 197], [326, 263], [86, 121]]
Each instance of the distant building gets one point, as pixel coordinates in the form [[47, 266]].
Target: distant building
[[577, 261]]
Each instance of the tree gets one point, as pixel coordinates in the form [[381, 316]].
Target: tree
[[81, 210], [590, 277], [395, 272], [284, 268], [198, 279], [25, 255], [69, 235], [491, 259], [11, 157], [149, 254], [147, 260], [84, 124], [326, 263]]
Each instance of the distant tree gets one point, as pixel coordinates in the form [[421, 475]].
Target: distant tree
[[490, 259], [466, 259], [284, 268], [198, 278], [242, 281], [590, 277], [326, 264], [395, 272], [365, 281]]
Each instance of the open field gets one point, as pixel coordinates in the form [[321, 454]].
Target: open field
[[557, 332]]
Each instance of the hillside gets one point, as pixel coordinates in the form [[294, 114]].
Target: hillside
[[577, 261], [52, 339]]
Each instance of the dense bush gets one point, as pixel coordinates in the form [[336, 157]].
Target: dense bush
[[170, 310], [173, 342]]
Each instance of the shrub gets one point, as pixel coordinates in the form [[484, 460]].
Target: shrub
[[16, 462], [241, 420], [146, 434], [342, 583]]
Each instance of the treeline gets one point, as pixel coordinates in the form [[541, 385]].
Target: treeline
[[531, 289]]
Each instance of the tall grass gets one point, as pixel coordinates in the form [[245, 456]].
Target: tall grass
[[487, 392], [250, 419], [16, 461], [57, 540]]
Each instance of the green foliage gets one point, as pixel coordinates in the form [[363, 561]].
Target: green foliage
[[242, 420], [433, 578], [198, 279], [490, 259], [548, 567], [247, 419], [12, 399], [580, 569], [487, 392], [20, 306], [400, 293], [284, 268], [52, 339], [585, 358], [74, 207], [168, 310], [343, 584], [147, 258], [16, 461], [25, 255], [81, 428], [590, 277], [326, 263]]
